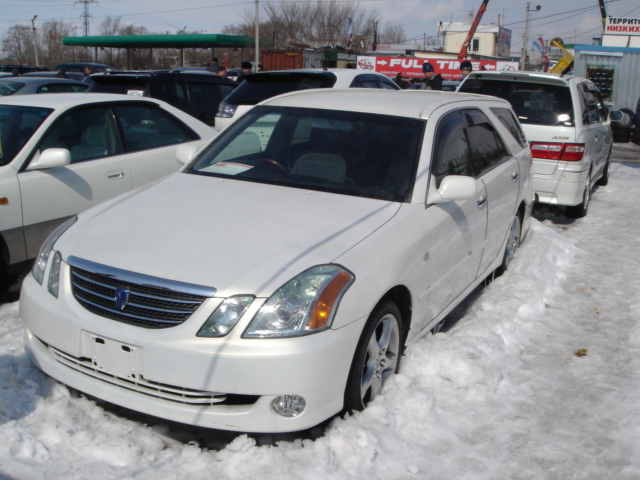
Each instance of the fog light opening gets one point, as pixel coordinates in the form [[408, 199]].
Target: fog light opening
[[288, 406]]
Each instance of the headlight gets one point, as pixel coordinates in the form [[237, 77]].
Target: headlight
[[225, 110], [225, 317], [43, 255], [306, 304]]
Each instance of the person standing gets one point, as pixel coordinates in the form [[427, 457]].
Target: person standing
[[465, 68], [213, 66], [246, 70], [432, 80]]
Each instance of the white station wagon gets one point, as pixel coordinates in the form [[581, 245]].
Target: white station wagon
[[568, 125], [63, 153], [266, 289]]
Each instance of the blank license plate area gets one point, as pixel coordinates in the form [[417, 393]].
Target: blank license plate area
[[113, 357]]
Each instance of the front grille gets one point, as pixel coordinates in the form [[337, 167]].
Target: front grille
[[136, 299], [173, 393]]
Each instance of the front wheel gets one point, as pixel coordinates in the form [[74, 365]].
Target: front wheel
[[377, 356]]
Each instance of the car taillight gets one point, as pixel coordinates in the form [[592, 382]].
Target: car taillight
[[570, 152]]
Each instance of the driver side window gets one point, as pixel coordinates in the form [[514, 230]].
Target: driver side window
[[453, 155]]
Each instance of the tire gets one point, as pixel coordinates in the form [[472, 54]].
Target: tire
[[627, 118], [580, 210], [513, 242], [621, 138], [617, 129], [377, 356], [635, 136], [604, 179]]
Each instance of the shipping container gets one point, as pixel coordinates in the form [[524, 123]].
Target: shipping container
[[290, 59]]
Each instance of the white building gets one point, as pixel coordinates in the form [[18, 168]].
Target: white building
[[488, 40]]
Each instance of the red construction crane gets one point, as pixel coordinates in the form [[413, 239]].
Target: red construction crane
[[463, 51]]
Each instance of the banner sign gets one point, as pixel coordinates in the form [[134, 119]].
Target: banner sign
[[409, 67], [622, 26]]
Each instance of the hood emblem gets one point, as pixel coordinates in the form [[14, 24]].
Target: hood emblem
[[122, 298]]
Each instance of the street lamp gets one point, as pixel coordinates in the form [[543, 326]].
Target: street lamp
[[35, 41], [525, 49]]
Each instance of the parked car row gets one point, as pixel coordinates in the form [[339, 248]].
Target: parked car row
[[241, 292]]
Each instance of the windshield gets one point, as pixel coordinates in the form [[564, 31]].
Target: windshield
[[260, 86], [348, 153], [17, 125], [534, 103]]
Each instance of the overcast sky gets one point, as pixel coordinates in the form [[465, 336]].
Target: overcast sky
[[575, 21]]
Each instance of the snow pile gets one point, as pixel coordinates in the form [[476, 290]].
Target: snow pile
[[537, 380]]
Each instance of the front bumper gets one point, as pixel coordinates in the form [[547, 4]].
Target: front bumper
[[226, 383]]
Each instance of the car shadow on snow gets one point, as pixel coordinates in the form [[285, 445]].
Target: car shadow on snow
[[24, 386], [556, 214], [174, 433]]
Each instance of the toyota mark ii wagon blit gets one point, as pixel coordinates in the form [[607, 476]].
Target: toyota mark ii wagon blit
[[276, 279]]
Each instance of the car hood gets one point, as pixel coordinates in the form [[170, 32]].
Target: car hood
[[235, 236]]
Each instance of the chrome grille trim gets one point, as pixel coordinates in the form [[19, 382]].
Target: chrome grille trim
[[152, 302], [140, 385]]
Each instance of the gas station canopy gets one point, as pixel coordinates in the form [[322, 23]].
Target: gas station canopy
[[199, 40]]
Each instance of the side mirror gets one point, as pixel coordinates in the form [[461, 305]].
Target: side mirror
[[615, 116], [185, 153], [51, 158], [453, 188]]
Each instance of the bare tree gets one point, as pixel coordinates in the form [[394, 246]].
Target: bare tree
[[51, 50], [18, 45], [392, 33], [316, 23]]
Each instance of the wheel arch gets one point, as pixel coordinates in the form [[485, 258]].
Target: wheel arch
[[401, 296]]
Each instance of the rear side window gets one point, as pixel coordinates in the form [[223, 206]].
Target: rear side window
[[591, 105], [62, 88], [258, 87], [145, 126], [9, 88], [508, 119], [534, 103], [372, 81]]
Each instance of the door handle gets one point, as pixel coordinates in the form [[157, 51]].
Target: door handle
[[481, 201], [514, 176], [114, 175]]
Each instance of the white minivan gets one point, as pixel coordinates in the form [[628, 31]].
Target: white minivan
[[568, 128]]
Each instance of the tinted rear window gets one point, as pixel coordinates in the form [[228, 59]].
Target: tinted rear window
[[117, 84], [258, 87], [533, 103]]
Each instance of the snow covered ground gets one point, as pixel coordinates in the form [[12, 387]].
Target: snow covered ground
[[539, 379]]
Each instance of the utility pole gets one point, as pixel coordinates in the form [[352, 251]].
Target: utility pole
[[525, 41], [257, 34], [35, 40], [86, 16]]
